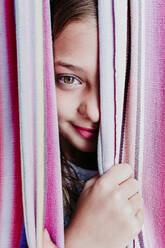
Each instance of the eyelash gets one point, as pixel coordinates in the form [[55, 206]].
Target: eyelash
[[61, 78]]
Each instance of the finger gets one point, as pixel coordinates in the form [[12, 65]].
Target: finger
[[47, 241], [129, 187], [136, 202], [140, 216], [138, 222], [117, 174]]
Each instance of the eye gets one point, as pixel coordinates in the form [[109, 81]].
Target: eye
[[67, 79]]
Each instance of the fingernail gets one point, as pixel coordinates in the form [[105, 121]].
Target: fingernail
[[46, 234]]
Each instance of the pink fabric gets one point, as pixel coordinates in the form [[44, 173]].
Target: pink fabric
[[10, 171], [54, 204], [144, 129], [26, 50], [154, 148], [151, 173]]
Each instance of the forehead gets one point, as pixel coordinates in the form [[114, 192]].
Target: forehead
[[77, 44]]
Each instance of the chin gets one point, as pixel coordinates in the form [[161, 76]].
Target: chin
[[86, 149], [71, 141], [87, 146]]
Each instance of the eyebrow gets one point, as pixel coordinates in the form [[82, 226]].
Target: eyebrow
[[70, 66]]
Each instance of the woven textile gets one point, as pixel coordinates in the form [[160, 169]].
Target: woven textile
[[132, 129], [142, 135]]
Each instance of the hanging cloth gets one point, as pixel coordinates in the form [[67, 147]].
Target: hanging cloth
[[38, 116], [29, 154], [11, 212], [143, 118], [132, 51]]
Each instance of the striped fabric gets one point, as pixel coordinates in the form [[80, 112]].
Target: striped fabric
[[53, 195], [142, 137], [29, 154], [132, 72], [11, 213], [113, 60]]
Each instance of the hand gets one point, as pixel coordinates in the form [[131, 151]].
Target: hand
[[108, 213], [47, 241]]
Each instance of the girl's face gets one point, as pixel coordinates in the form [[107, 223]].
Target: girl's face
[[77, 85]]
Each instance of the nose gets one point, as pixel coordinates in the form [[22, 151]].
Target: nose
[[89, 106]]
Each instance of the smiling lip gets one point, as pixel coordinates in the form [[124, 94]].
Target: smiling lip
[[86, 133]]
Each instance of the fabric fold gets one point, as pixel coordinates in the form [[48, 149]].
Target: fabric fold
[[53, 219], [31, 101], [11, 214], [106, 142]]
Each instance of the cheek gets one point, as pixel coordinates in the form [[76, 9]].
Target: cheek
[[65, 107]]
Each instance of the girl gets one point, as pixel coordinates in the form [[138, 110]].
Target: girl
[[108, 210]]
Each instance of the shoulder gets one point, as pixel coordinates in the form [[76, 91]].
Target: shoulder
[[83, 174]]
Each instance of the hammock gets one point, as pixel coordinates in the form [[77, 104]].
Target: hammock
[[132, 115]]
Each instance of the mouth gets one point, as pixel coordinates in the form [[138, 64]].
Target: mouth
[[87, 133]]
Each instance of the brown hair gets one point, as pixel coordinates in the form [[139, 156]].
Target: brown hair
[[62, 13], [65, 11]]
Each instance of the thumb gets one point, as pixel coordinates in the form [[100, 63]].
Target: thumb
[[47, 241]]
